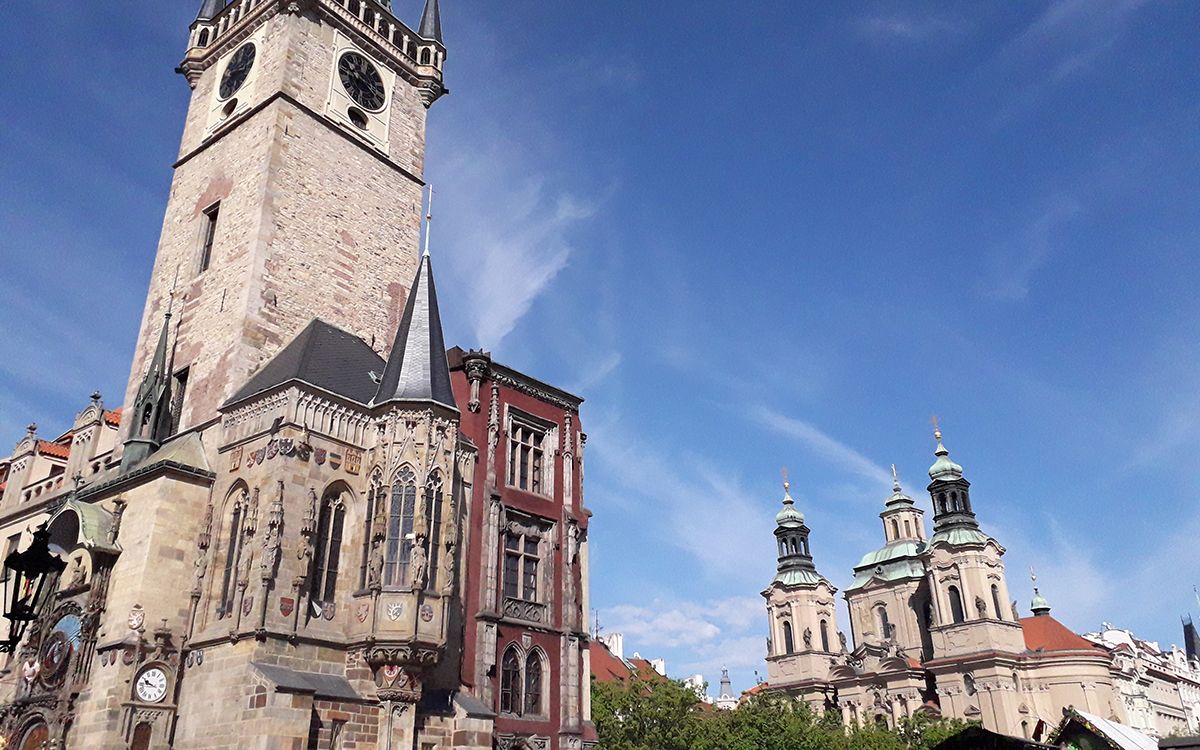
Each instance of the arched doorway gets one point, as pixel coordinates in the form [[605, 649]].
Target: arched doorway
[[35, 737], [141, 737]]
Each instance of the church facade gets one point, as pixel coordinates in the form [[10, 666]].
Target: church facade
[[310, 525], [933, 629]]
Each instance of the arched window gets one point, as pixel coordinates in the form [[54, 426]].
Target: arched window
[[895, 529], [400, 528], [510, 682], [425, 56], [996, 602], [782, 548], [433, 517], [956, 604], [805, 542], [233, 550], [885, 627], [375, 496], [327, 552], [941, 502], [824, 636], [204, 37], [907, 528], [789, 644], [533, 685], [954, 501], [141, 736]]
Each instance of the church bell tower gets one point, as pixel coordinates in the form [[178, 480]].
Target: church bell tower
[[297, 188]]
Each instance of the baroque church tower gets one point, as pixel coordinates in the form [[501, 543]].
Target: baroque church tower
[[297, 188]]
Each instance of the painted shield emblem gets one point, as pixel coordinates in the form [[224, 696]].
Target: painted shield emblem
[[394, 611], [329, 610], [258, 455], [319, 455], [390, 673], [286, 605], [303, 451], [137, 617], [287, 446], [353, 461], [247, 605], [273, 449], [235, 458], [335, 460], [364, 609], [426, 612]]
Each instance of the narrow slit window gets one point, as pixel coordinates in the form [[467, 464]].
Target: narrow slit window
[[210, 234]]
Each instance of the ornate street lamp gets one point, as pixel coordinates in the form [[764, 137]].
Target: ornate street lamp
[[24, 576]]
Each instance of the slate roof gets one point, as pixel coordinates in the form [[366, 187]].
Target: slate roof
[[322, 355], [417, 369], [322, 685], [431, 21]]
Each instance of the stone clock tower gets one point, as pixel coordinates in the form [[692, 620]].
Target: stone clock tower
[[300, 109]]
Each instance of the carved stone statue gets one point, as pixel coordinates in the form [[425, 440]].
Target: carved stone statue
[[78, 576], [375, 567], [981, 606], [200, 570], [419, 564], [842, 641], [807, 638], [451, 558]]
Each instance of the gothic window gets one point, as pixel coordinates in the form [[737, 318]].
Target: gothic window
[[203, 42], [233, 554], [525, 457], [425, 56], [521, 566], [178, 391], [328, 550], [400, 528], [956, 605], [141, 736], [824, 636], [375, 496], [510, 682], [533, 685], [789, 644], [433, 517], [996, 602], [208, 234]]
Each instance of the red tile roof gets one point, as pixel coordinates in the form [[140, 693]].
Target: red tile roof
[[606, 667], [113, 416], [46, 448], [1047, 634]]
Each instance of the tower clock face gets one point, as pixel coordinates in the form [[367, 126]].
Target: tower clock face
[[236, 71], [151, 686], [362, 81], [58, 648]]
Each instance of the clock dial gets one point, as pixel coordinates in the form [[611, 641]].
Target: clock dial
[[362, 81], [237, 70], [151, 686], [58, 648]]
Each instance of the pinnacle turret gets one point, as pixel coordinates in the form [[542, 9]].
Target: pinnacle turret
[[209, 9], [431, 22]]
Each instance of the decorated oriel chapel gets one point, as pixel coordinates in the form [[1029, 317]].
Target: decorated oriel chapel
[[308, 524]]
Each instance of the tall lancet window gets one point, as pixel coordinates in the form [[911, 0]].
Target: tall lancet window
[[328, 550], [433, 517], [400, 528], [233, 551], [996, 602], [375, 496], [789, 643], [825, 636], [956, 605]]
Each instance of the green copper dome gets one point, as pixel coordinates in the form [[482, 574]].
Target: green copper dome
[[943, 468], [789, 516]]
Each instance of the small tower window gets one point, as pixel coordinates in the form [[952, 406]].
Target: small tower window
[[328, 552], [996, 602], [233, 554], [824, 636], [956, 604], [399, 529], [789, 644], [907, 528], [895, 530], [885, 627], [433, 517], [178, 392], [209, 234]]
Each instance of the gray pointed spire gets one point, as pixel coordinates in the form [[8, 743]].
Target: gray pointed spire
[[431, 22], [209, 9], [151, 423], [417, 369]]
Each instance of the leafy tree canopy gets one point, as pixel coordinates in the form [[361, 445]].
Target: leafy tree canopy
[[665, 715]]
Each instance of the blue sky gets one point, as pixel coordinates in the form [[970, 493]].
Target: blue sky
[[752, 236]]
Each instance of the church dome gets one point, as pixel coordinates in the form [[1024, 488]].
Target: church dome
[[943, 468]]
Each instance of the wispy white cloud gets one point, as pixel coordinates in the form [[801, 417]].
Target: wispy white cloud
[[1065, 41], [1016, 263], [597, 373], [823, 445], [910, 27]]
